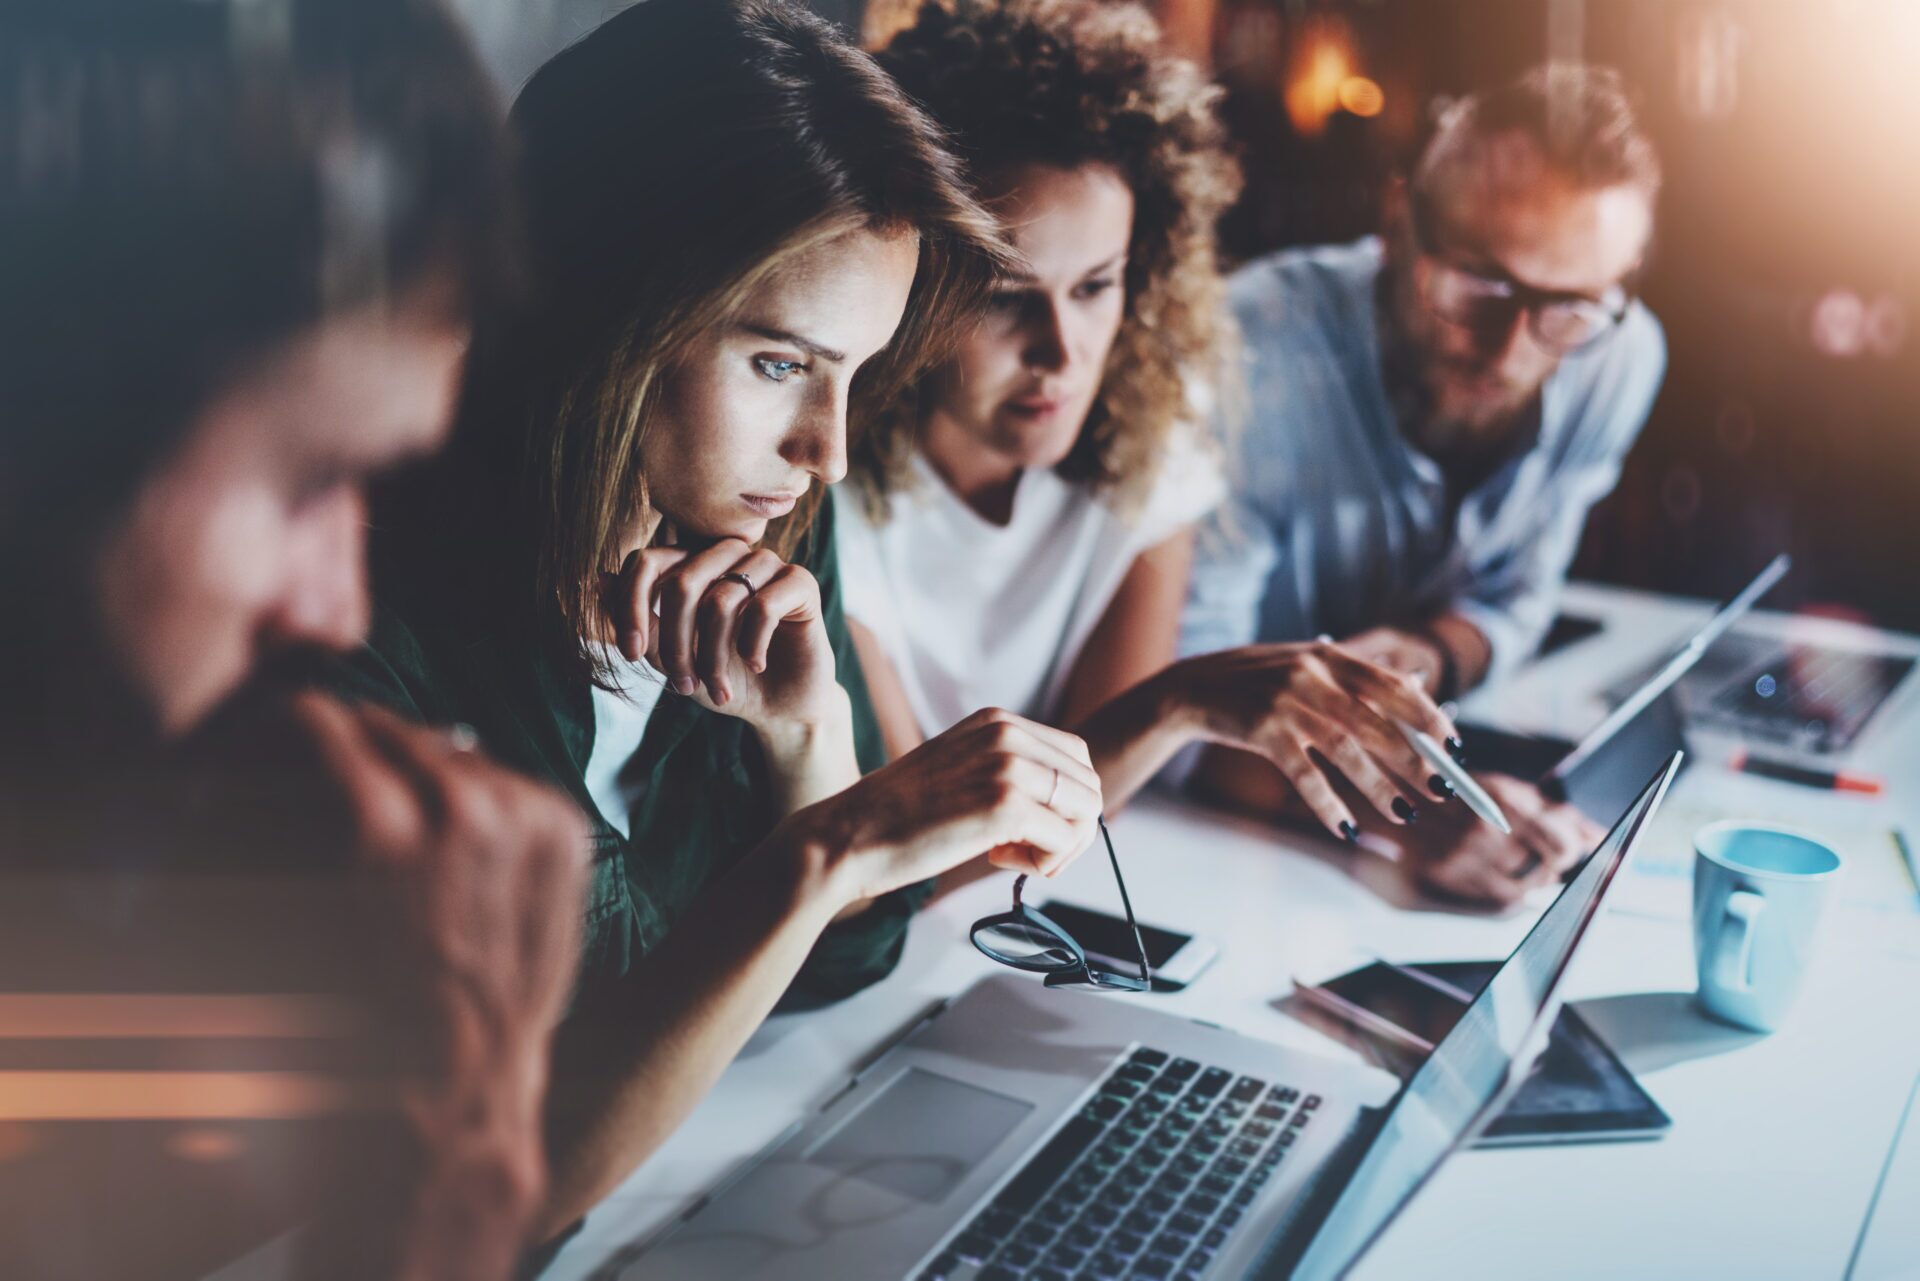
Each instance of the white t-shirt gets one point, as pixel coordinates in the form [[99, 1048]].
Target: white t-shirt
[[974, 614], [619, 723]]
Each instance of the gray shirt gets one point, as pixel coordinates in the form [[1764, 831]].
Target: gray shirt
[[1337, 523]]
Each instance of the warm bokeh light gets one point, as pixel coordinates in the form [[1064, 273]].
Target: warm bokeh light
[[1322, 62], [1887, 326], [174, 1015], [1188, 26], [1839, 324], [1845, 325], [186, 1096], [885, 19], [16, 1140], [1362, 96], [205, 1143], [1708, 44]]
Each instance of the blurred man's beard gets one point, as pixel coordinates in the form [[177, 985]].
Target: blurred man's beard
[[1465, 419], [1412, 375]]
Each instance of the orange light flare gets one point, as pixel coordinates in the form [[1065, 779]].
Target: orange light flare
[[176, 1016], [1322, 60], [16, 1140], [195, 1096], [183, 1096], [1362, 97], [207, 1144], [885, 19]]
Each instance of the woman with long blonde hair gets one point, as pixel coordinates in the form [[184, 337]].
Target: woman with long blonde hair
[[621, 578]]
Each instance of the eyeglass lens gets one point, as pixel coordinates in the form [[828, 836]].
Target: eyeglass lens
[[1477, 302], [1026, 944], [1025, 939]]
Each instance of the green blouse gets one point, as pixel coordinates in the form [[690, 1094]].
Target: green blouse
[[704, 796]]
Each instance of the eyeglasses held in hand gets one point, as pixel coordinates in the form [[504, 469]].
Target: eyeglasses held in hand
[[1025, 939]]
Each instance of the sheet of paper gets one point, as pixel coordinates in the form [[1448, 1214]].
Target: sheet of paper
[[1658, 879]]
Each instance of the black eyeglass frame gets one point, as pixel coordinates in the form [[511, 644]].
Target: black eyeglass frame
[[1072, 969], [1520, 296]]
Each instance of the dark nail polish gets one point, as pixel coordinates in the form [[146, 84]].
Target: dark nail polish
[[1348, 832], [1457, 750], [1405, 812], [1441, 788]]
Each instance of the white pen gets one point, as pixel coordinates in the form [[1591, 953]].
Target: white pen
[[1446, 767], [1457, 777]]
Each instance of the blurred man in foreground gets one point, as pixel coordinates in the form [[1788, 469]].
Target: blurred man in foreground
[[249, 940]]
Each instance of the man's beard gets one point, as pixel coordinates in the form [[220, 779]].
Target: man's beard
[[1406, 374]]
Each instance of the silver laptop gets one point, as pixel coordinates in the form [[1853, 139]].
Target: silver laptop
[[1024, 1132]]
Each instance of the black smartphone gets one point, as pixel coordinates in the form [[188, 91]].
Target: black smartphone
[[1177, 959], [1414, 1004]]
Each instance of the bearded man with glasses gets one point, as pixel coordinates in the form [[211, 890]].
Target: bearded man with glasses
[[1432, 414]]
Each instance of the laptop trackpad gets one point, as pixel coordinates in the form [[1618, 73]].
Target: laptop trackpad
[[921, 1136]]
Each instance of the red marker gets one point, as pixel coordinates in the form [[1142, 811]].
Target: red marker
[[1829, 780]]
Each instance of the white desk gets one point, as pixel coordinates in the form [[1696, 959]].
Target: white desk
[[1778, 1142]]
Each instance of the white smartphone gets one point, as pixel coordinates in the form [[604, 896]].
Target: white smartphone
[[1177, 959]]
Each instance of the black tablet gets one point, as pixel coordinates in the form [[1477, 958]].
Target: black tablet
[[1579, 1090]]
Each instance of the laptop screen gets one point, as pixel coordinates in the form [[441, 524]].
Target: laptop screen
[[1460, 1081], [1654, 684]]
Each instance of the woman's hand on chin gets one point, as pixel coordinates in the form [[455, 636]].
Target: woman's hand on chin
[[733, 627], [1021, 794]]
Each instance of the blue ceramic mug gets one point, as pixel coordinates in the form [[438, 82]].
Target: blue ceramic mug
[[1758, 892]]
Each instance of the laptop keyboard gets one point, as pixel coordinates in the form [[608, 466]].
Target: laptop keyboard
[[1813, 699], [1146, 1181]]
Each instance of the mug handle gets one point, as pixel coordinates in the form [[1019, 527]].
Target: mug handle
[[1733, 960]]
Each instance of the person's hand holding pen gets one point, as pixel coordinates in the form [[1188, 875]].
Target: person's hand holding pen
[[1506, 839], [1460, 855], [1332, 724]]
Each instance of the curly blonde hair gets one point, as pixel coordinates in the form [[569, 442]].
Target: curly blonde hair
[[1069, 83]]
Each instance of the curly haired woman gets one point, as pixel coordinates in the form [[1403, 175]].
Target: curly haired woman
[[1021, 519]]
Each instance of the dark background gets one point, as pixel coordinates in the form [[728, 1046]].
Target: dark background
[[1787, 272]]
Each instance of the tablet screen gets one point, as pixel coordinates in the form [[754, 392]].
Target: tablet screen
[[1577, 1089]]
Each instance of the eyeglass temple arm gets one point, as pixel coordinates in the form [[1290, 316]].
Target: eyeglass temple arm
[[1139, 944]]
